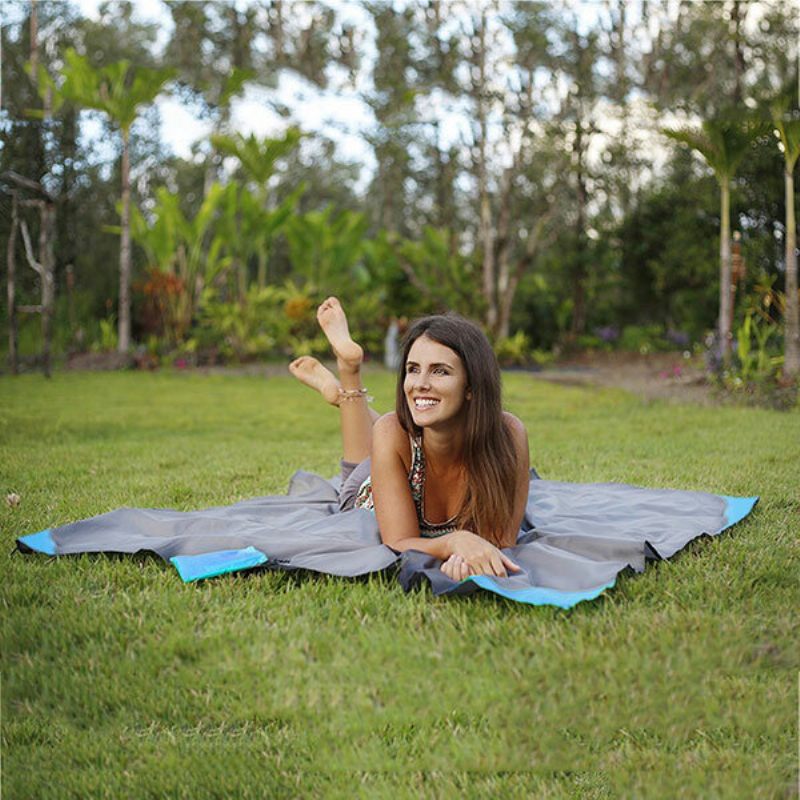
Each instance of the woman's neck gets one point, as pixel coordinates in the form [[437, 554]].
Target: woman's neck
[[444, 447]]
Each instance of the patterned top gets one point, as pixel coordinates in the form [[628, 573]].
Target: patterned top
[[416, 482]]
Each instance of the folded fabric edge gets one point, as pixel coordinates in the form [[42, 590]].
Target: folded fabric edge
[[736, 509], [218, 562], [536, 595], [41, 542]]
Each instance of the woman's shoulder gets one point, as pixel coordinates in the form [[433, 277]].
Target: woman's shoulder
[[387, 432], [514, 424], [389, 425]]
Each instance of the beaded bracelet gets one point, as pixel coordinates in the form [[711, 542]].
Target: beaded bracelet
[[355, 394]]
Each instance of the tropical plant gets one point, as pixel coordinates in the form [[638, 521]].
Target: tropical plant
[[787, 129], [443, 277], [250, 222], [327, 250], [248, 228], [119, 90], [723, 144], [756, 361], [257, 156], [187, 249]]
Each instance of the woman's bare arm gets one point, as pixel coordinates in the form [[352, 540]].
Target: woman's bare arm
[[522, 483], [394, 506]]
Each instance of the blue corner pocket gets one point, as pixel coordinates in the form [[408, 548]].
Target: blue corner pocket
[[41, 542], [207, 565], [736, 509]]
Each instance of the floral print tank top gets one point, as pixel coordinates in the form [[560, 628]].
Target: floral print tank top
[[416, 482]]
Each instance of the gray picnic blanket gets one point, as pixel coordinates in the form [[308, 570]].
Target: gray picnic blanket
[[574, 540]]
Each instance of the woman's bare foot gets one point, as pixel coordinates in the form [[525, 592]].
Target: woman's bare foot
[[333, 322], [310, 372]]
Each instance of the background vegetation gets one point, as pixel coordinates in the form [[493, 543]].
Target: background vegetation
[[561, 215]]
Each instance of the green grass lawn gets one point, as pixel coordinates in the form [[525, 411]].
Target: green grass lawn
[[120, 681]]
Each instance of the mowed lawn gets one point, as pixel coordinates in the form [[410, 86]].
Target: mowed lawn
[[118, 680]]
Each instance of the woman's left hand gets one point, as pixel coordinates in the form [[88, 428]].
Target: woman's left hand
[[456, 568]]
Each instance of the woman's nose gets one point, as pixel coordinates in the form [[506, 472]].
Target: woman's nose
[[422, 380]]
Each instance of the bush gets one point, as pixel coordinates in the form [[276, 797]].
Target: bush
[[513, 351], [646, 339]]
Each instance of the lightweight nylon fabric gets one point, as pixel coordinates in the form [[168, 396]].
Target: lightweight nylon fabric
[[574, 540]]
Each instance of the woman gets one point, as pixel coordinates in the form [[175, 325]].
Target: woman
[[447, 472]]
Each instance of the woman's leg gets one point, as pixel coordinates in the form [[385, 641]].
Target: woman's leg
[[311, 372], [356, 420]]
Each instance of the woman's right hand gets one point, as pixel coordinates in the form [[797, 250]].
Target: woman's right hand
[[479, 556]]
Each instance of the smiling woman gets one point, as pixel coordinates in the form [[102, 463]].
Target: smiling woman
[[447, 472]]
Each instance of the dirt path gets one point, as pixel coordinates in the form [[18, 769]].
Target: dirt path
[[667, 376]]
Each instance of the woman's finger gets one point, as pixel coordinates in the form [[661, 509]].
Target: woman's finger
[[464, 570], [509, 563], [497, 567]]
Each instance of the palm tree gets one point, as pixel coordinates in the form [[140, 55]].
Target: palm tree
[[723, 143], [118, 90], [787, 127], [257, 158]]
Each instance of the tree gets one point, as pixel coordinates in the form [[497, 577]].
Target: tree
[[118, 90], [183, 247], [723, 143], [246, 208], [325, 249], [787, 127]]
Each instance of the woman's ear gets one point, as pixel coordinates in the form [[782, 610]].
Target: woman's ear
[[468, 395]]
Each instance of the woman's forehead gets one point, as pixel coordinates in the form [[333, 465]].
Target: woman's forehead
[[427, 351]]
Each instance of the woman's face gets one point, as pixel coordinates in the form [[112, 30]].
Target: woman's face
[[435, 384]]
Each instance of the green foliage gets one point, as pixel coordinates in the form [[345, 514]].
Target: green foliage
[[188, 249], [756, 361], [256, 155], [243, 331], [118, 89], [513, 351], [787, 127], [644, 339], [444, 277], [108, 339], [326, 249], [246, 227], [723, 142]]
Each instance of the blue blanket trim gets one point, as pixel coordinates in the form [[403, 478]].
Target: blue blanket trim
[[218, 562], [41, 542], [736, 509], [539, 595]]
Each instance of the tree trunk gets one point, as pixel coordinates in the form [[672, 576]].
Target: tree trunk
[[791, 364], [124, 322], [486, 233], [11, 285], [47, 260], [738, 52], [34, 43], [579, 268], [523, 265], [262, 270], [725, 287]]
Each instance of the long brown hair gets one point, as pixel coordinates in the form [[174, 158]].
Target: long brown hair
[[490, 457]]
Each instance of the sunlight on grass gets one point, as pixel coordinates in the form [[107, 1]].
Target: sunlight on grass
[[120, 681]]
